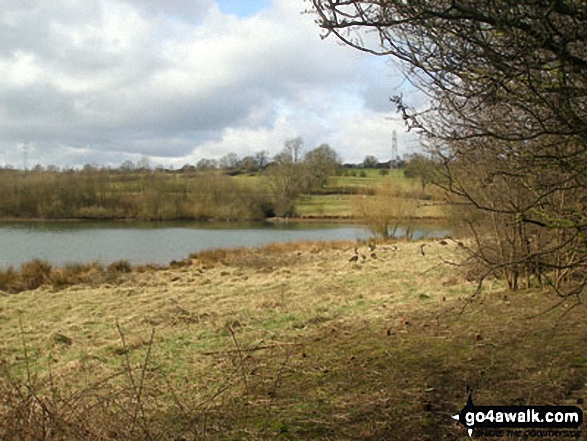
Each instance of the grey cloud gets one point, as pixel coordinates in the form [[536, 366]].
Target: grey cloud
[[96, 97], [178, 8]]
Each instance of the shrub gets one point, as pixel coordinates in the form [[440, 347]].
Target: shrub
[[120, 266], [74, 273], [34, 274], [7, 279]]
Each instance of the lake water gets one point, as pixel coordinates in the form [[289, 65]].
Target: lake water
[[159, 242]]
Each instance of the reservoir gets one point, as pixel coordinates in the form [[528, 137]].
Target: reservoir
[[161, 242]]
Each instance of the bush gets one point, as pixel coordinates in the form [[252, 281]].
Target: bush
[[120, 266], [8, 279], [34, 274], [75, 273]]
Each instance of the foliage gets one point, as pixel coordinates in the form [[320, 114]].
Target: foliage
[[508, 118], [129, 194], [395, 203], [370, 161], [322, 162], [422, 168], [288, 177]]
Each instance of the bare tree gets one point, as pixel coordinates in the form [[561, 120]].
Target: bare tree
[[206, 164], [293, 149], [249, 163], [288, 177], [261, 158], [228, 161], [321, 163], [507, 82]]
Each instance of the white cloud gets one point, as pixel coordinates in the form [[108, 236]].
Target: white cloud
[[101, 81]]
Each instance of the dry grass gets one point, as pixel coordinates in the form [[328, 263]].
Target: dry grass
[[37, 273], [394, 202], [288, 341]]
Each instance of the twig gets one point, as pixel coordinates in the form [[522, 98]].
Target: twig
[[431, 268], [241, 358], [256, 348], [546, 311], [26, 356], [144, 369], [132, 381], [279, 376]]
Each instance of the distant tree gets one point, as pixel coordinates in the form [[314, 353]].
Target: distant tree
[[283, 158], [370, 162], [248, 163], [322, 162], [206, 164], [127, 165], [262, 158], [293, 148], [287, 178], [229, 161], [423, 168], [144, 163], [89, 168], [187, 168]]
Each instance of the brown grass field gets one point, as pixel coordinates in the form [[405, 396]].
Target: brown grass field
[[288, 341]]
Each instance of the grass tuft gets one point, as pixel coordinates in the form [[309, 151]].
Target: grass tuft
[[120, 266]]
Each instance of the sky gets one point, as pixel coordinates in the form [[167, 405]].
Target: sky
[[105, 81]]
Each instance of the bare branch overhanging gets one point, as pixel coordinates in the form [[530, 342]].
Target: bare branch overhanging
[[508, 115]]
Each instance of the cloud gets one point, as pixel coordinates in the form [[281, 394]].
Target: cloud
[[177, 9], [101, 81]]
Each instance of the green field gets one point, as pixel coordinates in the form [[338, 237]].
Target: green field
[[349, 196], [373, 176], [336, 206]]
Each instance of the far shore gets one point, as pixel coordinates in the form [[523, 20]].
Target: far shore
[[300, 219]]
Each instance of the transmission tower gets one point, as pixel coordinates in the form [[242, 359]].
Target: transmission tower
[[394, 150], [25, 155]]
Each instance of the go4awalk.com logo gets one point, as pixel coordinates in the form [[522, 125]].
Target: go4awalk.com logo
[[521, 421]]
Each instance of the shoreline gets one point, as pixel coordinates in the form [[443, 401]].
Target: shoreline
[[295, 219]]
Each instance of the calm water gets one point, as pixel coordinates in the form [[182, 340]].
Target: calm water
[[157, 242]]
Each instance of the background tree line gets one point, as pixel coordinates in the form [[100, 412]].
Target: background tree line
[[139, 194], [204, 191]]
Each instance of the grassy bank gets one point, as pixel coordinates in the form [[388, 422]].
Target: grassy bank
[[288, 341]]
